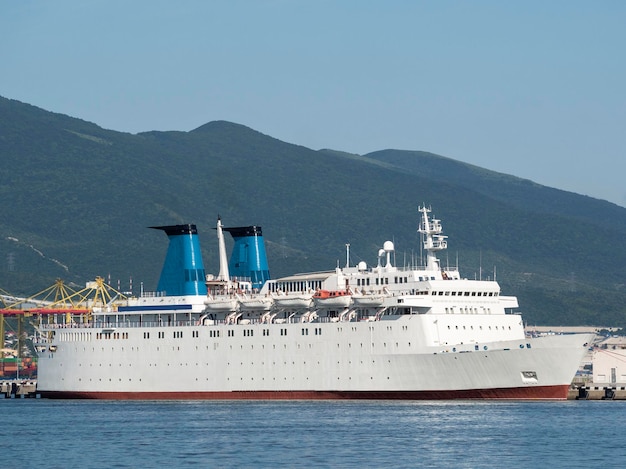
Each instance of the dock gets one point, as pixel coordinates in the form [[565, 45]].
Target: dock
[[614, 392], [18, 389]]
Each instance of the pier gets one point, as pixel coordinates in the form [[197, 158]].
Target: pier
[[613, 392], [18, 389]]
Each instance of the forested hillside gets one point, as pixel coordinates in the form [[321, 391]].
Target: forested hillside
[[77, 200]]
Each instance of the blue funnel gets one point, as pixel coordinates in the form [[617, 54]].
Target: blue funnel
[[248, 260], [183, 270]]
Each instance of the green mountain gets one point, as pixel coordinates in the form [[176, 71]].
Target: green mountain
[[77, 200]]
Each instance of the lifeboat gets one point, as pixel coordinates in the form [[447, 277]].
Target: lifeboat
[[294, 300], [223, 303], [256, 303], [332, 299], [368, 300], [365, 299]]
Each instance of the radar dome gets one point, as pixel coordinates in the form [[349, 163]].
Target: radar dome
[[388, 246], [362, 266]]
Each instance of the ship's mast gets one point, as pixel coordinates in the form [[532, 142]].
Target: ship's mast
[[224, 275], [433, 240]]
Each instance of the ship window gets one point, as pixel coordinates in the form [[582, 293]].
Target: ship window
[[473, 293], [467, 293], [453, 293], [441, 293]]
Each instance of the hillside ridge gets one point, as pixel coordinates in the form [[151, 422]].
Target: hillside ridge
[[79, 198]]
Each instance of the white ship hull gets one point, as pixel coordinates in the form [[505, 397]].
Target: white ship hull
[[344, 360]]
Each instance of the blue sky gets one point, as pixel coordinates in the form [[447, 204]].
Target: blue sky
[[535, 89]]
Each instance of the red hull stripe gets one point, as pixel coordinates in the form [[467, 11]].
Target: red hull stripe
[[526, 393]]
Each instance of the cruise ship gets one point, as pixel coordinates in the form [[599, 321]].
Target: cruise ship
[[354, 332]]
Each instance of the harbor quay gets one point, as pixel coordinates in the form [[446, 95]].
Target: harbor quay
[[20, 389], [615, 392]]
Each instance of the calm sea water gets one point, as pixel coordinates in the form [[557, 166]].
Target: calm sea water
[[380, 434]]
